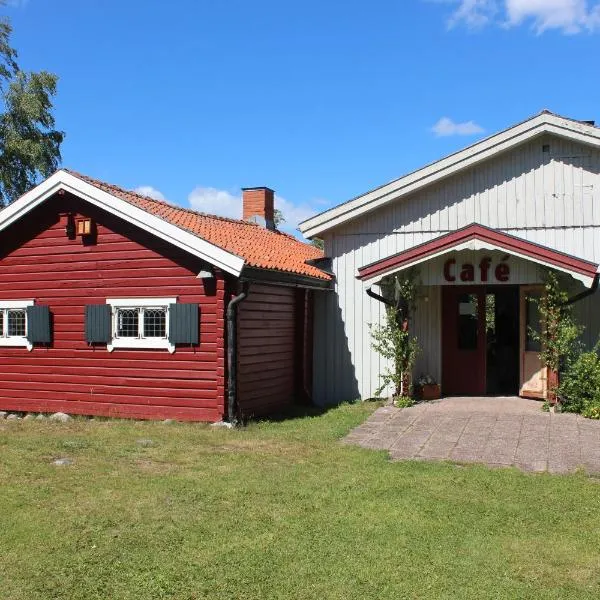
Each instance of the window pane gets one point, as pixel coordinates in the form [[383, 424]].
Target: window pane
[[127, 322], [532, 322], [1, 322], [467, 321], [155, 322], [16, 323]]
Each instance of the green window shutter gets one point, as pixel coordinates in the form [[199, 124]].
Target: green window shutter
[[38, 324], [98, 319], [183, 323]]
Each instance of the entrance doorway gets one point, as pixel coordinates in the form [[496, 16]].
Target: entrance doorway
[[480, 340]]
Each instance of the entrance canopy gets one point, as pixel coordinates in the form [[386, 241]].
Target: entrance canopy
[[478, 237]]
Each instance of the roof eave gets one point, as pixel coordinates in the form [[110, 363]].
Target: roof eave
[[285, 278]]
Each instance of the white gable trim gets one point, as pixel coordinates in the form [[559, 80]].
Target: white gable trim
[[541, 124], [62, 180]]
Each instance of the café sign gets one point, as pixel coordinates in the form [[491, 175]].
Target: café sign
[[485, 271]]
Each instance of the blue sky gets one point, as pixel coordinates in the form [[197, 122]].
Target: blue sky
[[319, 100]]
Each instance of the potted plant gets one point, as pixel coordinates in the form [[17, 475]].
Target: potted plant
[[428, 388]]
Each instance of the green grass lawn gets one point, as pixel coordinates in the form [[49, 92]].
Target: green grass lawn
[[278, 510]]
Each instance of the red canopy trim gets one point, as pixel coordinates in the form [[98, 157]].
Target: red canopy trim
[[496, 239]]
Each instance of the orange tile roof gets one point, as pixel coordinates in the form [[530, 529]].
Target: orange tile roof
[[259, 247]]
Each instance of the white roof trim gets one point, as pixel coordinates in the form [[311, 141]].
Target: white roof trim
[[62, 180], [544, 123], [475, 244]]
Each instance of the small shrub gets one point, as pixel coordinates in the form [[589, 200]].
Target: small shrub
[[580, 385], [404, 402], [592, 410]]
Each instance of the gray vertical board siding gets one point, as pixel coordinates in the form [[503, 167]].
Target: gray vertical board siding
[[552, 199], [426, 327], [587, 313]]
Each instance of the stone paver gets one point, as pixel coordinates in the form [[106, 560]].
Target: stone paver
[[493, 431]]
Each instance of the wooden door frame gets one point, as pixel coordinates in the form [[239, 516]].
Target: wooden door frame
[[523, 289]]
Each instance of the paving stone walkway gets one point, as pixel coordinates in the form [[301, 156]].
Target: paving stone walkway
[[493, 431]]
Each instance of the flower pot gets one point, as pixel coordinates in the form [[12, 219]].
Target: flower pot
[[430, 391]]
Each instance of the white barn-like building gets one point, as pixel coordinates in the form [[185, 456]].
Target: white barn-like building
[[510, 206]]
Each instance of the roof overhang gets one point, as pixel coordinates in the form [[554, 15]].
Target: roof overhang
[[62, 180], [544, 123], [286, 279], [478, 237]]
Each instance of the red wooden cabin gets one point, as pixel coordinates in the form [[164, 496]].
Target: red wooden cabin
[[116, 304]]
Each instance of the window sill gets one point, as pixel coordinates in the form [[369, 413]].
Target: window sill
[[16, 342], [137, 344]]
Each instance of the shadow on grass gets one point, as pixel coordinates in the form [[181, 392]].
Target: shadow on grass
[[303, 411]]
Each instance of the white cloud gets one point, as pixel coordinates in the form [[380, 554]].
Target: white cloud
[[568, 16], [225, 204], [293, 213], [216, 202], [446, 127], [148, 190], [474, 13], [571, 16]]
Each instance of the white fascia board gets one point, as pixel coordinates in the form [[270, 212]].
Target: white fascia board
[[61, 180], [16, 303], [144, 301], [479, 245], [481, 151]]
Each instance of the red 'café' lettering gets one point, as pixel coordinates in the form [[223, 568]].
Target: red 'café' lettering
[[502, 272], [447, 266], [467, 272]]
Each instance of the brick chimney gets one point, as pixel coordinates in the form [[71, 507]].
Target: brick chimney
[[259, 206]]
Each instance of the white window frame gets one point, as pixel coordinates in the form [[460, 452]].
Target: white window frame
[[15, 341], [140, 342]]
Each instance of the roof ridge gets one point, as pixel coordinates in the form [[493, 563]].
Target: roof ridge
[[257, 246], [320, 226], [93, 180], [99, 182]]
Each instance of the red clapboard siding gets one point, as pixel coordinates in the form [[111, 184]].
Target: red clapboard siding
[[266, 350], [38, 261]]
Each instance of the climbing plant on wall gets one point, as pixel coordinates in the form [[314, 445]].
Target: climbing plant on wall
[[559, 331], [393, 339]]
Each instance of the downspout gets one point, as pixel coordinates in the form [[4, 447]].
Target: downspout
[[232, 354], [379, 298], [585, 293], [400, 307]]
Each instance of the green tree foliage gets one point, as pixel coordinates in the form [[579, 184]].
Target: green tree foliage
[[29, 142], [278, 218], [318, 243]]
